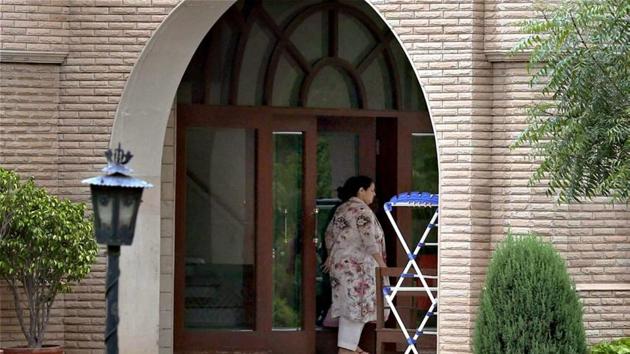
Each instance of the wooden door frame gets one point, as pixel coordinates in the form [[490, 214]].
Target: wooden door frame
[[261, 337], [265, 120], [366, 132]]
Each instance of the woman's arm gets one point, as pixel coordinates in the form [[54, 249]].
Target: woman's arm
[[367, 227], [378, 257]]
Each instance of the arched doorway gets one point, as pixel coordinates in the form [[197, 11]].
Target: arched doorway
[[283, 101]]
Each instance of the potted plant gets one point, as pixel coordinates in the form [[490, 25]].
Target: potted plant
[[45, 244]]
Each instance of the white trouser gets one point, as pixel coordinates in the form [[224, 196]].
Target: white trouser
[[349, 333]]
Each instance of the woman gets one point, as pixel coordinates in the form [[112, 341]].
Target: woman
[[355, 244]]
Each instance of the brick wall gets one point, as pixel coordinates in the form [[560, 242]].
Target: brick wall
[[606, 314], [56, 122], [34, 25], [29, 96]]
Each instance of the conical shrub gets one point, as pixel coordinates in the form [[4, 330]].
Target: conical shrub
[[528, 304]]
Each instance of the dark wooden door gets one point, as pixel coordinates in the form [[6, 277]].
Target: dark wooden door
[[256, 188], [245, 251]]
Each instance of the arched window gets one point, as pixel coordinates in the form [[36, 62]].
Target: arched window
[[302, 54]]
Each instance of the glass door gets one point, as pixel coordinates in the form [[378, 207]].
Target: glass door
[[245, 252], [292, 263]]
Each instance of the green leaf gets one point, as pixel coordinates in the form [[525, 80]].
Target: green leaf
[[581, 130]]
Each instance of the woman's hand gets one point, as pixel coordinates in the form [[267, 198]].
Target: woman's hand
[[326, 266], [379, 260]]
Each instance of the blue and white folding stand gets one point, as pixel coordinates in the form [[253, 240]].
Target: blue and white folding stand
[[413, 199]]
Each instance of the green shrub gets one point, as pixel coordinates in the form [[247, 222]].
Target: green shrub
[[528, 304], [620, 346], [45, 244]]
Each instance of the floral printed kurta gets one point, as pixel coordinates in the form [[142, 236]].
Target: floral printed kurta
[[352, 236]]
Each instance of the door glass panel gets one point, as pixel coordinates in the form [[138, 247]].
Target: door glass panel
[[424, 179], [311, 37], [287, 229], [219, 290], [286, 85], [221, 48], [251, 78], [377, 83], [337, 160], [355, 40], [411, 93], [332, 88], [366, 9], [282, 11]]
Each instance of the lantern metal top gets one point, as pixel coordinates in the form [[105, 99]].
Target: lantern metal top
[[116, 173]]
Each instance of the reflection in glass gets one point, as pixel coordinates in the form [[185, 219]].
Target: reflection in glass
[[311, 37], [332, 88], [337, 160], [287, 230], [411, 93], [424, 179], [377, 83], [252, 74], [355, 40], [219, 291], [286, 86], [284, 11]]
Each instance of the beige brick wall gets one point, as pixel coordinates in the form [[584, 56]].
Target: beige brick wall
[[502, 20], [476, 105], [29, 97], [34, 25], [606, 314]]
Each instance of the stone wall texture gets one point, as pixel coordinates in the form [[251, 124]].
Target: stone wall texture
[[56, 120]]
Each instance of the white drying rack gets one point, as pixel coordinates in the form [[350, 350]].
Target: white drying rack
[[413, 199]]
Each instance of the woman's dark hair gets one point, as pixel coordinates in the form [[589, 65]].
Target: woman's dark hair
[[352, 186]]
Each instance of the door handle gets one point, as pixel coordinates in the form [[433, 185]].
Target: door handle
[[315, 233]]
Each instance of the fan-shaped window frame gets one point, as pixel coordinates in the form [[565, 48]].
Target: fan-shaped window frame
[[242, 20]]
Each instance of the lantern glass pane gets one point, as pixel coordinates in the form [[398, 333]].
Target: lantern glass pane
[[126, 208], [105, 210]]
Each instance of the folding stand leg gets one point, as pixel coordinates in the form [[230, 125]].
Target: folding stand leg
[[389, 291]]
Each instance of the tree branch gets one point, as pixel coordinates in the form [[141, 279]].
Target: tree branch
[[28, 287], [599, 65], [19, 310]]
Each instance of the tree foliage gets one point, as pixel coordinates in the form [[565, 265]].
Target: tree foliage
[[9, 183], [48, 244], [528, 303], [580, 52]]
